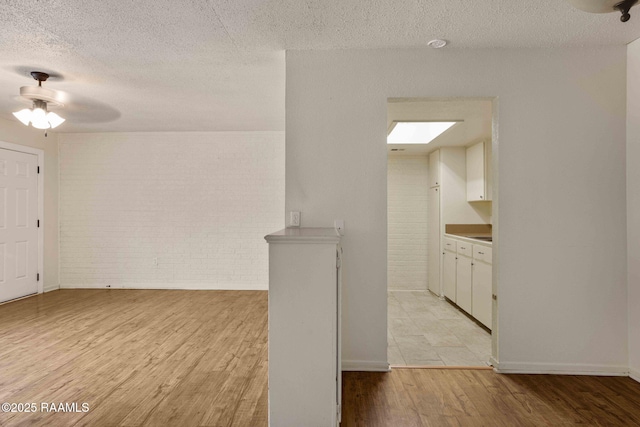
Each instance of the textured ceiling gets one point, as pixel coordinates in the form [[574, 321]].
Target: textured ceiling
[[219, 65]]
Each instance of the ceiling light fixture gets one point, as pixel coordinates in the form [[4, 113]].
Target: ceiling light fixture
[[606, 6], [416, 132], [38, 115], [437, 43]]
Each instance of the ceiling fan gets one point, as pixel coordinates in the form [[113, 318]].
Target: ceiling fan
[[42, 99], [78, 110], [605, 6]]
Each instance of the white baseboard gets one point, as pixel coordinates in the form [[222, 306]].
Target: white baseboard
[[559, 369], [634, 374], [493, 362], [365, 366], [53, 288], [186, 287]]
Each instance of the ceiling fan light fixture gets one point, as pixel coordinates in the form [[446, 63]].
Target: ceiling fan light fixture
[[40, 124], [24, 116], [606, 6], [38, 115], [39, 119], [54, 120]]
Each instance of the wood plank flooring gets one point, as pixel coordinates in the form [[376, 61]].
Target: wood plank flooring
[[199, 358], [436, 397], [137, 357]]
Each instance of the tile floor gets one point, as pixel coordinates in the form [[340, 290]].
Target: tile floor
[[424, 330]]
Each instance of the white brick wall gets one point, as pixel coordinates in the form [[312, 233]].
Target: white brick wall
[[407, 189], [198, 202]]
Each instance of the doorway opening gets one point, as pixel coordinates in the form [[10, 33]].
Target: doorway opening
[[441, 210]]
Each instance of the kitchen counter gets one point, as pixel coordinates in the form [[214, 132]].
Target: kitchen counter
[[471, 238], [475, 233], [304, 235]]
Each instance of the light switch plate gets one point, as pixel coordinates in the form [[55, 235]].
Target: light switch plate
[[339, 226]]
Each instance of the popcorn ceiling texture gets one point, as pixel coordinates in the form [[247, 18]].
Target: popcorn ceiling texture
[[199, 203], [219, 65]]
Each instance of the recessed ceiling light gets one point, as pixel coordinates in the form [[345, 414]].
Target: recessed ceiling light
[[417, 132], [437, 43]]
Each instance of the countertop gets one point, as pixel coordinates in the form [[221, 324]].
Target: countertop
[[469, 232], [304, 235], [470, 237]]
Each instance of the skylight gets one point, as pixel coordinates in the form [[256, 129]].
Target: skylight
[[417, 132]]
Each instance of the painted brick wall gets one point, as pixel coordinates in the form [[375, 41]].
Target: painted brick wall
[[169, 210], [407, 189]]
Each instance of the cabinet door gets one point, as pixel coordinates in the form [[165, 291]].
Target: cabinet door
[[475, 173], [482, 292], [434, 168], [463, 283], [449, 275]]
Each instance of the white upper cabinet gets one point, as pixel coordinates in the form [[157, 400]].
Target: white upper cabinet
[[434, 169], [479, 172]]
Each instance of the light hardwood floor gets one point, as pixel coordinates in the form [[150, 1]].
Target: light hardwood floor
[[199, 358], [468, 397], [137, 357]]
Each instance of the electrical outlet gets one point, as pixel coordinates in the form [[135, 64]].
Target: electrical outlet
[[294, 219]]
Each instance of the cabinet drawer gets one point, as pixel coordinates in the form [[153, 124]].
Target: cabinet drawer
[[464, 248], [482, 253], [449, 244]]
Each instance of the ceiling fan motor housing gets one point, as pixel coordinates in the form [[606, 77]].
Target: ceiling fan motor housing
[[33, 93]]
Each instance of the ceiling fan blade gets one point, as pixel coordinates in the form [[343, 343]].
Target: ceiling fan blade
[[84, 110]]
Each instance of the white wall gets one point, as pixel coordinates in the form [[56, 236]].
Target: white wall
[[560, 232], [201, 203], [16, 133], [633, 204], [407, 187]]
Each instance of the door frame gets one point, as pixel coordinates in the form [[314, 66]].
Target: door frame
[[40, 156], [495, 145]]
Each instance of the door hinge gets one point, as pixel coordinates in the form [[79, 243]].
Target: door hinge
[[38, 223], [494, 297], [37, 277], [38, 169]]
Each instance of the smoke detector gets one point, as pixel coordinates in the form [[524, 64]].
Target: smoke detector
[[437, 43]]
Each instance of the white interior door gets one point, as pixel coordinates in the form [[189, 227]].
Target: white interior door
[[18, 224]]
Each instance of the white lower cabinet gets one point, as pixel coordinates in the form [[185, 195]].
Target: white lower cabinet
[[467, 281], [305, 373], [481, 305], [449, 274], [463, 283]]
